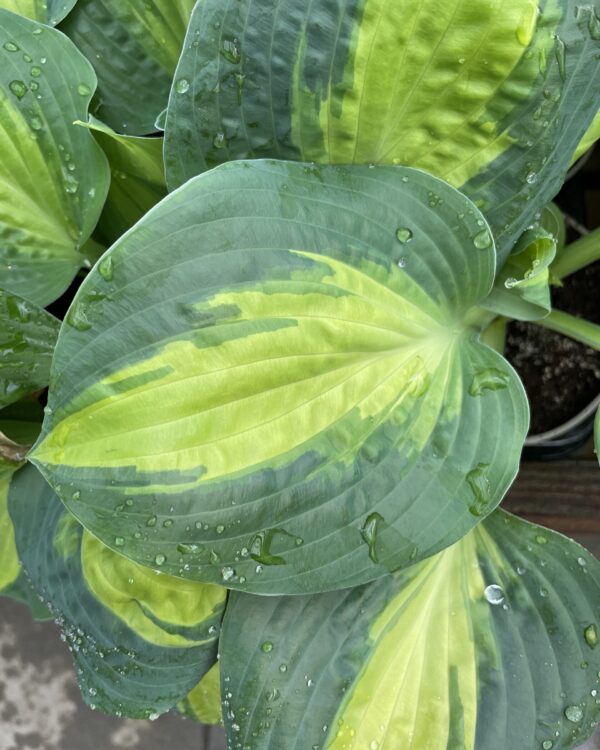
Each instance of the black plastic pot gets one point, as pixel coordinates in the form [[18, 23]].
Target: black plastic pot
[[563, 440]]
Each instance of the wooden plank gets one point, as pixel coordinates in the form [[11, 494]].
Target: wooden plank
[[562, 495]]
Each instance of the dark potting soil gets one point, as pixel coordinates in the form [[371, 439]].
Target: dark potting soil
[[561, 376]]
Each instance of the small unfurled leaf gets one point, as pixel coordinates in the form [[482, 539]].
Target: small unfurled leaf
[[522, 287], [137, 179], [283, 379], [491, 644]]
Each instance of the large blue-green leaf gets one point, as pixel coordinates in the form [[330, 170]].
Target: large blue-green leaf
[[491, 644], [277, 372], [53, 175], [27, 339], [491, 95], [134, 47], [141, 640]]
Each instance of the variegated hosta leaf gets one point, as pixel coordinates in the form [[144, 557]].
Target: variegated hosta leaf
[[137, 179], [19, 427], [53, 175], [522, 287], [203, 703], [134, 47], [45, 11], [491, 95], [491, 644], [275, 375], [141, 640], [27, 339]]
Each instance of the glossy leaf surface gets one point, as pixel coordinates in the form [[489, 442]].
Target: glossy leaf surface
[[492, 96], [53, 175], [277, 371], [134, 47], [45, 11], [27, 338], [491, 644], [141, 640]]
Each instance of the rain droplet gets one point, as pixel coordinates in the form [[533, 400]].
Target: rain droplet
[[10, 46], [105, 268], [401, 263], [77, 318], [560, 50], [18, 88], [219, 141], [581, 562], [220, 528], [574, 713], [160, 559], [83, 90], [35, 72], [36, 123], [547, 745], [182, 86], [482, 240], [404, 235], [591, 635], [227, 573], [151, 521], [119, 541], [480, 487], [531, 178], [283, 668], [231, 51], [494, 594], [490, 379], [267, 647], [369, 531]]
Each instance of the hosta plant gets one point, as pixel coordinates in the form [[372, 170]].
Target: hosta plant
[[254, 260]]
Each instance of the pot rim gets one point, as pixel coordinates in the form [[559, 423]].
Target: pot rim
[[557, 432]]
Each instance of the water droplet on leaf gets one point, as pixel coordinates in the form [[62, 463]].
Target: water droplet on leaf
[[490, 379], [482, 240], [591, 635], [574, 713], [404, 235], [494, 594], [18, 88]]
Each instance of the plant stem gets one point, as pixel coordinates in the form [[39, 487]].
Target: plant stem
[[495, 334], [581, 330], [577, 255]]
